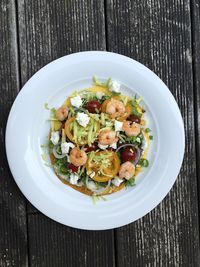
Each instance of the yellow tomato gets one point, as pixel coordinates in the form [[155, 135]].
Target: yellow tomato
[[101, 89], [68, 132], [85, 133], [107, 172]]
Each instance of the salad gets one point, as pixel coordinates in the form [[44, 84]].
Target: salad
[[98, 141]]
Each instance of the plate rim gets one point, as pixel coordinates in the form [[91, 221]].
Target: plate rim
[[25, 87]]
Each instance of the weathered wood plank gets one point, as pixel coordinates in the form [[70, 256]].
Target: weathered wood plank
[[158, 34], [51, 29], [13, 235], [195, 6], [53, 244], [47, 30]]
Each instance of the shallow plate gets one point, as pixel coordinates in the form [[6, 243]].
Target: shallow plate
[[28, 127]]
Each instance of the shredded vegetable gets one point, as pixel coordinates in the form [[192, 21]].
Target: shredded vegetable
[[88, 150]]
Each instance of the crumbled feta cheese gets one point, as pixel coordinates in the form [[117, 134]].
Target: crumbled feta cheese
[[114, 86], [118, 126], [83, 119], [68, 159], [76, 101], [73, 178], [99, 95], [55, 136], [117, 181], [66, 146], [138, 139], [92, 174], [91, 185], [114, 145], [102, 146]]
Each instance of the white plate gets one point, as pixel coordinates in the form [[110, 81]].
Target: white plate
[[27, 129]]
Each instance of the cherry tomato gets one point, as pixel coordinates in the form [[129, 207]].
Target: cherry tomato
[[134, 118], [72, 167], [93, 147], [128, 154], [93, 105]]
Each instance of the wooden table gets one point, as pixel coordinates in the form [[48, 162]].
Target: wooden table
[[163, 35]]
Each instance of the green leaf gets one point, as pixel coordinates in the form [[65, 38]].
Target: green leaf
[[151, 137], [61, 165], [46, 106], [116, 94], [105, 97], [130, 182], [134, 108], [147, 130], [51, 145], [143, 162]]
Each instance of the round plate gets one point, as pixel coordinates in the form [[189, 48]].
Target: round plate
[[28, 127]]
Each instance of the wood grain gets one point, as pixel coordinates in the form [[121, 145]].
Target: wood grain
[[158, 34], [48, 30], [195, 12], [13, 237], [53, 244], [51, 29]]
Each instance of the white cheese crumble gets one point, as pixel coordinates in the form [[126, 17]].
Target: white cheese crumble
[[55, 136], [99, 95], [92, 174], [73, 178], [102, 146], [118, 126], [138, 140], [68, 159], [117, 181], [91, 185], [66, 146], [114, 86], [76, 101], [83, 119], [114, 145]]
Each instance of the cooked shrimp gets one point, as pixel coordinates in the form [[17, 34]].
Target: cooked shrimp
[[131, 128], [127, 170], [78, 157], [62, 113], [107, 137], [115, 108]]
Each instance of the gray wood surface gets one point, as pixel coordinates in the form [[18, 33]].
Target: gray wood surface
[[158, 34], [13, 232], [52, 244], [163, 35], [48, 30], [195, 11]]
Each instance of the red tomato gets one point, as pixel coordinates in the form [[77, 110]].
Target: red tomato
[[134, 118], [93, 147], [128, 154], [93, 105], [72, 167]]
